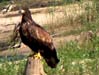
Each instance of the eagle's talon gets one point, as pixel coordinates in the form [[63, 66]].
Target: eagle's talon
[[37, 56]]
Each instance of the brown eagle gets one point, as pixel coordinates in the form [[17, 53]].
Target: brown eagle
[[37, 39]]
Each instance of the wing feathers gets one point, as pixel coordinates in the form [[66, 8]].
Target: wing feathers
[[40, 35], [36, 32]]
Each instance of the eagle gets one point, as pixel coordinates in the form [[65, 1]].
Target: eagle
[[37, 39]]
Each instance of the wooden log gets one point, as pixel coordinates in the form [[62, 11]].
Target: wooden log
[[34, 67]]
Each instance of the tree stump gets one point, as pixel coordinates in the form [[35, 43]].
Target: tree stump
[[34, 67]]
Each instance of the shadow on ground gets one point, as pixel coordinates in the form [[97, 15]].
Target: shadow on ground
[[3, 45]]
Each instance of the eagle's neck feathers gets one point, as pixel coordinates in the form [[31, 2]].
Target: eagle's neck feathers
[[26, 16]]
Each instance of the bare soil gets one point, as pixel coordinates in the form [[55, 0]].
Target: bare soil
[[42, 16]]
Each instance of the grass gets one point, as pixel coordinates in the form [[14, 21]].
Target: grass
[[11, 67], [36, 3], [75, 59], [84, 22]]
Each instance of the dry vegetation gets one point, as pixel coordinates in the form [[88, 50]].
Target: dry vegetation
[[70, 25]]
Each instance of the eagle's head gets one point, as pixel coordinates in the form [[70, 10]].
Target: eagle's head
[[26, 15], [52, 61]]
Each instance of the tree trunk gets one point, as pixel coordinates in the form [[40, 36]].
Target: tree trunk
[[34, 67]]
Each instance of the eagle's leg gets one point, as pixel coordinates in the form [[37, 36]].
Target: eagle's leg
[[37, 55]]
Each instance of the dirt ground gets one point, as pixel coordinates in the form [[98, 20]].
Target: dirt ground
[[42, 16]]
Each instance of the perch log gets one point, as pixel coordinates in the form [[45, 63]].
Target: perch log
[[34, 67]]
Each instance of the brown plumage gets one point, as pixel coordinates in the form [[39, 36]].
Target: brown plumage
[[38, 39]]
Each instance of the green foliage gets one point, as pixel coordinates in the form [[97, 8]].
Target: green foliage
[[4, 0], [75, 59], [8, 66]]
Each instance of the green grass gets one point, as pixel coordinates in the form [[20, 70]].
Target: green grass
[[74, 60], [36, 3], [12, 67], [3, 4]]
